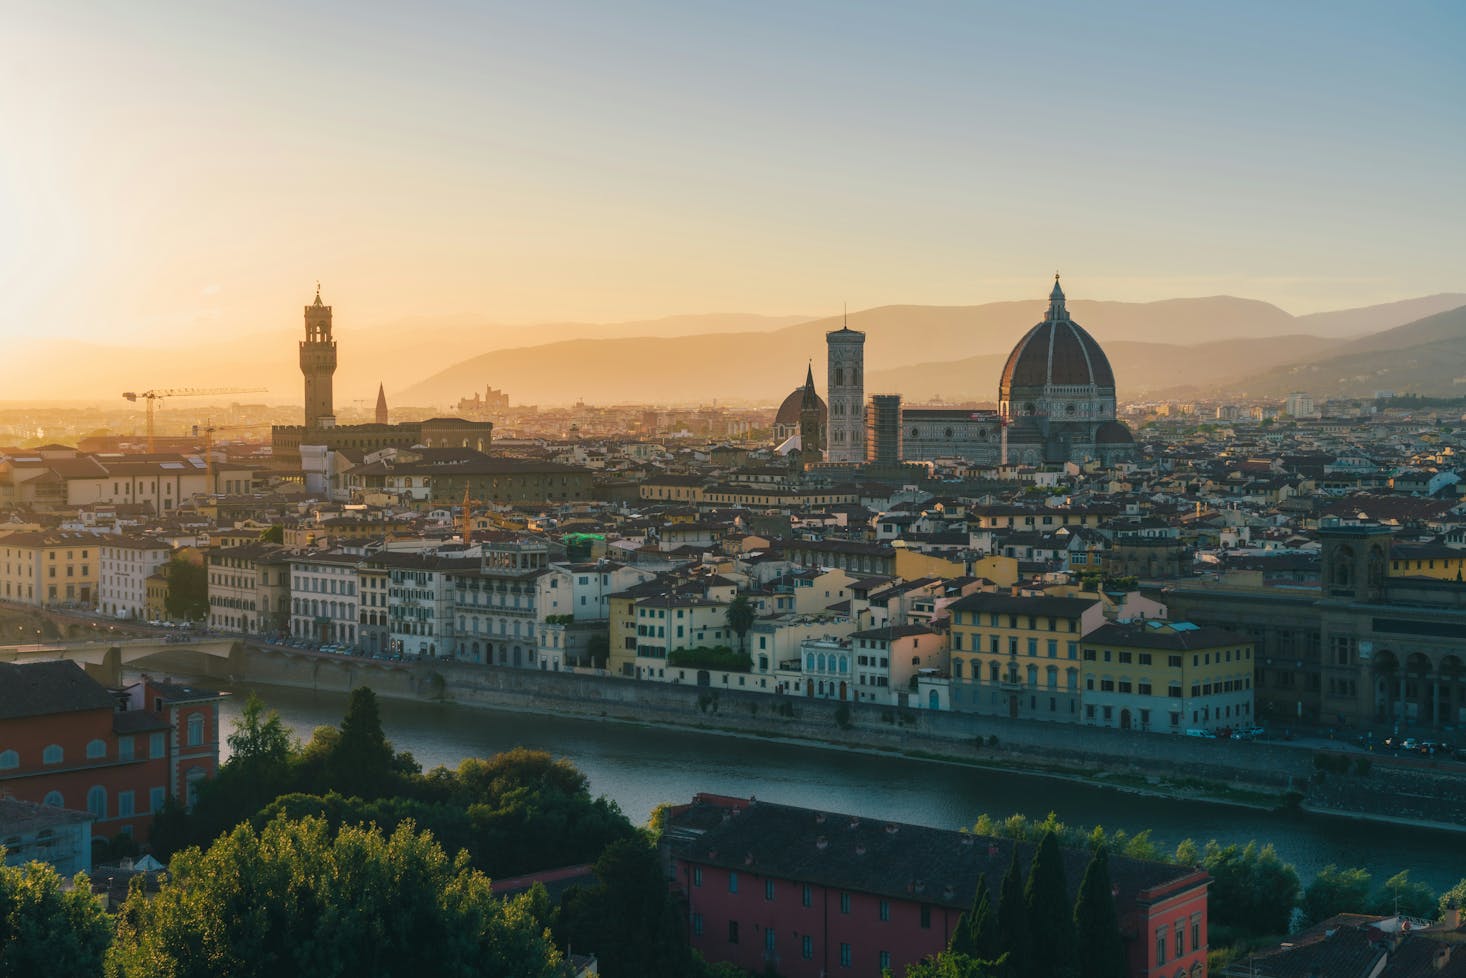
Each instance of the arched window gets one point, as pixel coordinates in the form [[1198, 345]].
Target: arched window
[[1033, 675], [839, 376], [844, 663], [54, 799], [96, 749], [97, 801], [53, 754], [1053, 677], [822, 661], [9, 759], [809, 662]]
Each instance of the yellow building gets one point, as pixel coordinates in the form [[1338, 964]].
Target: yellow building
[[50, 568], [1167, 676], [1427, 560], [157, 603], [1019, 656]]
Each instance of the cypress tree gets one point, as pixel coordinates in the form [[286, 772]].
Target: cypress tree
[[976, 932], [1096, 924], [1012, 930], [1050, 914]]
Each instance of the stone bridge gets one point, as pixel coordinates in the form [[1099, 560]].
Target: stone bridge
[[104, 660]]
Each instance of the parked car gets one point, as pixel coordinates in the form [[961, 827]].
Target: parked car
[[1201, 732]]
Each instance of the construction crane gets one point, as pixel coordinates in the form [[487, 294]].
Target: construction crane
[[153, 396], [207, 430]]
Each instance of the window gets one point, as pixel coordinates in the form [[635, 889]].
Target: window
[[54, 799], [1196, 932], [195, 730], [9, 759], [844, 955], [768, 889], [96, 749], [156, 798], [769, 940], [97, 801], [732, 881], [926, 916], [885, 909], [807, 897], [124, 748], [885, 961], [733, 932], [697, 925], [697, 876], [1180, 938], [1160, 943], [53, 754], [806, 948], [844, 902], [157, 745], [125, 804]]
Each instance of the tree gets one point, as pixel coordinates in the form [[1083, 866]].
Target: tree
[[977, 930], [627, 918], [188, 590], [1400, 895], [740, 616], [1454, 898], [361, 762], [1252, 889], [48, 930], [294, 900], [273, 534], [1050, 914], [1096, 924], [1013, 933], [952, 964], [1334, 891]]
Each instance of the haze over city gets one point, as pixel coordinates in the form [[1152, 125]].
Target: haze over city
[[176, 172]]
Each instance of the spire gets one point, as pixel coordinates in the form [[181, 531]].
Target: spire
[[809, 377], [1057, 313], [318, 293], [381, 404]]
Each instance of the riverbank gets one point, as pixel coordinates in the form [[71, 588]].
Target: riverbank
[[1253, 775]]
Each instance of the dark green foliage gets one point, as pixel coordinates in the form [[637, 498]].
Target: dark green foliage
[[1050, 914], [1096, 924], [298, 900], [45, 930], [275, 534], [628, 917], [188, 590], [718, 657], [1333, 891], [1400, 895], [1453, 899], [598, 650], [1013, 933], [951, 964], [1252, 889], [740, 616], [977, 930], [360, 761]]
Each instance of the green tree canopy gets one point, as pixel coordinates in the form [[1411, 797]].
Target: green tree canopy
[[976, 934], [740, 616], [1402, 895], [188, 590], [48, 930], [1333, 891], [274, 534], [1096, 924], [1050, 914], [953, 964], [1013, 933], [294, 900], [628, 917], [1252, 889]]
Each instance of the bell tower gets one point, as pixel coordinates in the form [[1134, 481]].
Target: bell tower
[[318, 363]]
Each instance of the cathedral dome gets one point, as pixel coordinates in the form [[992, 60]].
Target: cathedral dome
[[790, 409], [1113, 433], [1056, 353]]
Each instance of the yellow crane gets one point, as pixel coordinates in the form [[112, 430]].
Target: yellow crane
[[207, 429], [154, 396]]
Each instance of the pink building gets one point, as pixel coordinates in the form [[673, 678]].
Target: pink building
[[816, 894]]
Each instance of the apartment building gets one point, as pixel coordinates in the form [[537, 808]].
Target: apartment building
[[126, 564], [1166, 676], [53, 567]]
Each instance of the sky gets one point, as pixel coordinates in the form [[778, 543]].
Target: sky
[[171, 169]]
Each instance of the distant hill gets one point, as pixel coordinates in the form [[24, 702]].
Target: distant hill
[[1424, 357], [764, 367], [1140, 368], [396, 353], [1373, 319]]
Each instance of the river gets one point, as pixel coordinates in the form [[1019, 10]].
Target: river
[[642, 767]]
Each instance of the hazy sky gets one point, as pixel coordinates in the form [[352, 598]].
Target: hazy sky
[[171, 168]]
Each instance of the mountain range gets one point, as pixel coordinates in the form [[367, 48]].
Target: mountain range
[[1174, 347]]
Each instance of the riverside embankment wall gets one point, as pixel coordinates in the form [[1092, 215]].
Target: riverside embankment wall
[[1257, 772]]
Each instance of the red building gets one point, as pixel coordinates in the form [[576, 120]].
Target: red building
[[68, 741], [816, 894]]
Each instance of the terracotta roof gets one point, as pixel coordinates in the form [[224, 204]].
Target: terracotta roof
[[43, 688]]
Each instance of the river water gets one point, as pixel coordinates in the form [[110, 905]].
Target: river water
[[642, 767]]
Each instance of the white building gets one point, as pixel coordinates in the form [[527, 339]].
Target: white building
[[324, 597], [122, 581]]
